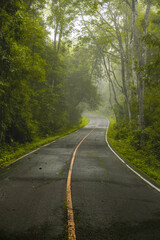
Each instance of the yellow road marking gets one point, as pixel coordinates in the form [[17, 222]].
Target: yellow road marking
[[71, 224]]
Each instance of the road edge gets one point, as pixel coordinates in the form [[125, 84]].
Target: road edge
[[127, 165], [44, 145]]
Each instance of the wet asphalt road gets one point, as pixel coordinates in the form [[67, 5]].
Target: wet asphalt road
[[110, 202]]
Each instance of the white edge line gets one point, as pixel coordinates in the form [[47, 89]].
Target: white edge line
[[28, 154], [149, 183], [37, 150]]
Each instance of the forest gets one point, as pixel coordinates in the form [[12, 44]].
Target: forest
[[43, 81], [61, 57]]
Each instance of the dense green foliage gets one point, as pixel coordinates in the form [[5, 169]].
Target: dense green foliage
[[41, 87]]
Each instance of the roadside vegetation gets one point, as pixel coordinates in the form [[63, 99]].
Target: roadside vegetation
[[128, 145], [9, 153]]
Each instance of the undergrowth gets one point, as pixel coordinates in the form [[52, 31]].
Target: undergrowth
[[137, 147]]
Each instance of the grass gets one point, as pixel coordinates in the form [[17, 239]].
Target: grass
[[11, 153], [143, 160]]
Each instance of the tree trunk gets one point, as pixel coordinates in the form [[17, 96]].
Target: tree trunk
[[55, 37], [143, 62], [110, 101], [133, 40], [59, 39], [122, 57], [110, 81], [125, 88]]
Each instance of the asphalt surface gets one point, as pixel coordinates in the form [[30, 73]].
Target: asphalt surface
[[110, 202]]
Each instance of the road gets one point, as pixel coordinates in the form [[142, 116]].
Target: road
[[109, 201]]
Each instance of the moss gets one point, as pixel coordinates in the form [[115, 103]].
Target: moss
[[62, 170]]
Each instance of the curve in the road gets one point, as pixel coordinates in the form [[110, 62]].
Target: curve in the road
[[110, 202]]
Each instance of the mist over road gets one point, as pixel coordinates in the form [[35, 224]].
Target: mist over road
[[109, 201]]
